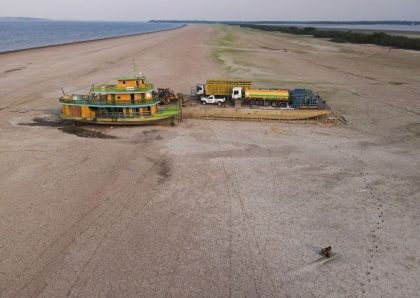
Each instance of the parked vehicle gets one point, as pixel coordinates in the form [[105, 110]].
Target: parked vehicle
[[212, 99], [283, 98], [219, 87], [267, 97], [242, 92], [167, 96]]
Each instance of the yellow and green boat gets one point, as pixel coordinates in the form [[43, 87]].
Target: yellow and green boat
[[131, 101]]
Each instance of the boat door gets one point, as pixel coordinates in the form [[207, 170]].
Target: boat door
[[113, 98]]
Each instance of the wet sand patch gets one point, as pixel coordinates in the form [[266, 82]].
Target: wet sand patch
[[69, 127]]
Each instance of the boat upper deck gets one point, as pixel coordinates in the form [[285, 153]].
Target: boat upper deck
[[116, 89], [85, 100]]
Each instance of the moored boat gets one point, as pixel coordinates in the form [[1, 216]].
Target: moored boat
[[130, 101]]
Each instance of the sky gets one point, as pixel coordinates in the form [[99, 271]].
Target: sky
[[234, 10]]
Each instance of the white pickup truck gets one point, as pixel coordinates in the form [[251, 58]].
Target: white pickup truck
[[212, 99]]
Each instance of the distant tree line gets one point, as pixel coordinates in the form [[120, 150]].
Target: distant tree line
[[407, 23], [377, 38]]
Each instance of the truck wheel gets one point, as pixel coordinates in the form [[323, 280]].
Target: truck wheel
[[219, 103], [274, 104], [203, 102]]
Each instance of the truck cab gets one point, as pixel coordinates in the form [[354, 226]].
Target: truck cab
[[199, 90], [237, 93]]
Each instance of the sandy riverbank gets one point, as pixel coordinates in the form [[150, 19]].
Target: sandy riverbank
[[211, 208]]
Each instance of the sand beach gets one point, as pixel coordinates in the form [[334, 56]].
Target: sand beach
[[211, 208]]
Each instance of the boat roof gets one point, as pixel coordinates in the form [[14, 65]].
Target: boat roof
[[113, 89], [229, 80], [129, 78]]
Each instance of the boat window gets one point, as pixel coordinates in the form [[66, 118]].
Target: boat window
[[124, 82]]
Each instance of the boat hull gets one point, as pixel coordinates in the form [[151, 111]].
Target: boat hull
[[124, 121]]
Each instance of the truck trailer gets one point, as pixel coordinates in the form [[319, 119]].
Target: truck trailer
[[282, 98], [219, 87], [262, 96]]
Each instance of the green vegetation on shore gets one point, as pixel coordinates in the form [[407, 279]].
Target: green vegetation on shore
[[21, 19], [377, 38]]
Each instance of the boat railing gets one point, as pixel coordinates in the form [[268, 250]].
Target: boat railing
[[120, 115], [85, 100]]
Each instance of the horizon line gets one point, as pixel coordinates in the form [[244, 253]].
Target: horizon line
[[219, 21]]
